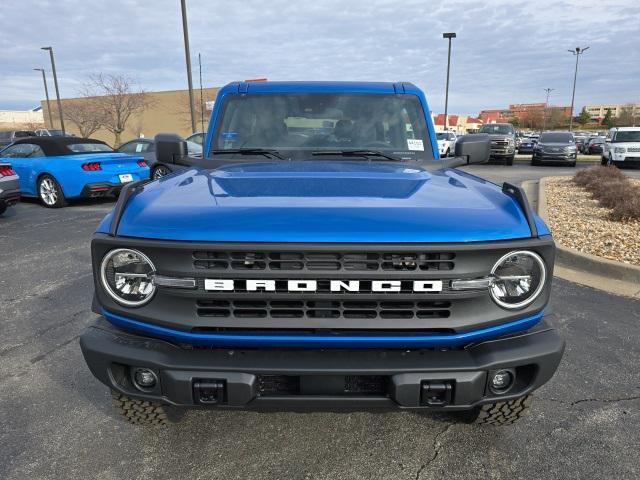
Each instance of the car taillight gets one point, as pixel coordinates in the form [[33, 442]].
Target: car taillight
[[6, 171], [91, 166], [142, 163]]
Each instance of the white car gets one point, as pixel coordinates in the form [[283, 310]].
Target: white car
[[446, 143], [622, 146]]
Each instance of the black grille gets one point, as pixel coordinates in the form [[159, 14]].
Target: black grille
[[323, 261], [357, 309]]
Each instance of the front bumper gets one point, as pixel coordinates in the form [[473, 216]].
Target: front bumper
[[317, 379], [555, 157], [632, 159]]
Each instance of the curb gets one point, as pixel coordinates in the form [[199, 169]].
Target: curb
[[575, 260]]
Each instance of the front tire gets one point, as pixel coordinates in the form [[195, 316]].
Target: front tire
[[50, 192], [141, 412], [3, 207], [510, 160], [499, 413], [159, 171]]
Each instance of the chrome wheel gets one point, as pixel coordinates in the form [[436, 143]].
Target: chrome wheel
[[160, 172], [48, 191]]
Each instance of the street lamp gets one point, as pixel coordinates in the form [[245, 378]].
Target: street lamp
[[46, 93], [448, 36], [185, 32], [546, 107], [577, 52], [55, 82]]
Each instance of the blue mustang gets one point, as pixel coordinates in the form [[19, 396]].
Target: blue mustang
[[55, 169]]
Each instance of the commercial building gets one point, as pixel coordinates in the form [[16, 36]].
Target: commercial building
[[598, 111], [524, 112], [21, 119], [459, 124], [166, 112]]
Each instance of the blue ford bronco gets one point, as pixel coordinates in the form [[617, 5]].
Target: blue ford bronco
[[321, 256]]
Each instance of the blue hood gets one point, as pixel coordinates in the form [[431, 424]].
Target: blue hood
[[328, 201]]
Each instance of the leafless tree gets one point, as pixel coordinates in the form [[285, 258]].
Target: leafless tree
[[627, 116], [183, 110], [85, 114], [118, 98], [556, 118]]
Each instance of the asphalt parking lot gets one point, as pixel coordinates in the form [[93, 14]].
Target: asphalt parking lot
[[58, 422]]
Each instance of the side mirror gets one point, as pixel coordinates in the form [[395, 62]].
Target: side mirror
[[170, 148], [475, 147]]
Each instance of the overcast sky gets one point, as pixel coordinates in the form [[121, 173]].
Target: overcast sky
[[506, 51]]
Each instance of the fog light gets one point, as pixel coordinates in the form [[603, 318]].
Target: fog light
[[144, 379], [501, 381]]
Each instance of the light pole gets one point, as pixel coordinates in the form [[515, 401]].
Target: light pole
[[46, 94], [201, 97], [577, 52], [546, 107], [55, 82], [448, 36], [185, 32]]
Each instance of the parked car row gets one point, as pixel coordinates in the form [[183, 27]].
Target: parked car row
[[56, 168], [7, 137]]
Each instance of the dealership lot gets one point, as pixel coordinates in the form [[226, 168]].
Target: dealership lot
[[58, 422]]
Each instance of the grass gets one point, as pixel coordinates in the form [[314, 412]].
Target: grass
[[613, 190]]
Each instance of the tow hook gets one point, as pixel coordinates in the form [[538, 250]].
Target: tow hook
[[435, 394]]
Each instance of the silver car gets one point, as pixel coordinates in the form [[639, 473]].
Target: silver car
[[147, 148], [9, 187]]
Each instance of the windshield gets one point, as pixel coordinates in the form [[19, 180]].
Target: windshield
[[444, 136], [89, 147], [495, 129], [556, 138], [631, 136], [296, 124]]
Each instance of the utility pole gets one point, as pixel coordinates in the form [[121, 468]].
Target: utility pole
[[55, 82], [577, 52], [546, 108], [185, 31], [448, 36], [46, 94], [201, 96]]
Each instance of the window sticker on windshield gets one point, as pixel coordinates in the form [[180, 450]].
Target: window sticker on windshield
[[228, 135], [415, 144]]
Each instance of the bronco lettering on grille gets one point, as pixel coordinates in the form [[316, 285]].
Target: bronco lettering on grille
[[227, 285]]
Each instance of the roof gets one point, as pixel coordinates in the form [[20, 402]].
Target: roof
[[452, 121], [628, 129], [52, 146], [315, 86]]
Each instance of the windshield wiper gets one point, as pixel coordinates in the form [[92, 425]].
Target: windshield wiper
[[356, 153], [250, 151]]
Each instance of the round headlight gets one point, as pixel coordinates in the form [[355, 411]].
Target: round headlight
[[517, 279], [127, 276]]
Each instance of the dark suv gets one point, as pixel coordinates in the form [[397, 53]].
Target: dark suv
[[556, 147]]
